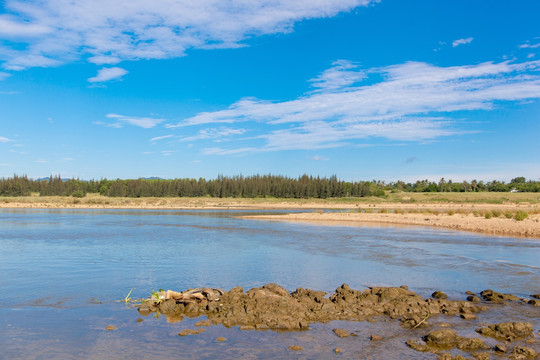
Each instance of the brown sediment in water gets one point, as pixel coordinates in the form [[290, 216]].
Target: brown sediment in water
[[529, 227]]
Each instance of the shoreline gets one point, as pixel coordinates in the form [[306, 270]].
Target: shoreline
[[461, 215], [528, 228]]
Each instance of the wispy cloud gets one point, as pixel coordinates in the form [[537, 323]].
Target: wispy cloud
[[462, 41], [216, 134], [167, 152], [529, 46], [4, 75], [51, 32], [121, 120], [108, 74], [409, 102], [343, 73], [4, 139], [319, 158], [161, 137]]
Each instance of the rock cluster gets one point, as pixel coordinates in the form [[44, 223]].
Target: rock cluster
[[273, 307]]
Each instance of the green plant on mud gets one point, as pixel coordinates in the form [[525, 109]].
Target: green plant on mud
[[521, 215]]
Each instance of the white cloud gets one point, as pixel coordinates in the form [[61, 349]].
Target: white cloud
[[144, 122], [49, 32], [343, 73], [4, 75], [319, 158], [5, 139], [167, 152], [216, 134], [529, 46], [462, 41], [107, 74], [409, 102], [161, 137]]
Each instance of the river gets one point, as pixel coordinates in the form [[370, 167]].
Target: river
[[62, 272]]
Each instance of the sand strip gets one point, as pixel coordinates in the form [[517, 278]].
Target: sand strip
[[529, 227]]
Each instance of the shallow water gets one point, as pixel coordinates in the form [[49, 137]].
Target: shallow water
[[62, 270]]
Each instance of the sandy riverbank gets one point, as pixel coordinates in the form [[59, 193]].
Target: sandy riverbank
[[530, 227], [464, 211]]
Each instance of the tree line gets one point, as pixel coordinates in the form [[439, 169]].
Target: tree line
[[247, 187]]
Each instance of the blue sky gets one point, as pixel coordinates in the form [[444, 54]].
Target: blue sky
[[361, 89]]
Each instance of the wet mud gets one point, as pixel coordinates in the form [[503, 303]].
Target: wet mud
[[271, 307]]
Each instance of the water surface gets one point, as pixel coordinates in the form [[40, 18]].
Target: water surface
[[62, 270]]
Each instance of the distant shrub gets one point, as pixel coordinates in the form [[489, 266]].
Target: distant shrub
[[488, 214], [496, 213], [383, 211], [78, 194], [521, 215], [476, 213], [508, 214], [451, 212]]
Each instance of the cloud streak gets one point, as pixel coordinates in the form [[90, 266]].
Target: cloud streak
[[465, 41], [52, 32], [108, 74], [404, 102], [121, 120]]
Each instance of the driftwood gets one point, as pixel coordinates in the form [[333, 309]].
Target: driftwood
[[193, 295]]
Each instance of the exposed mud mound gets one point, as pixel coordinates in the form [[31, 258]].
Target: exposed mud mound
[[507, 331], [273, 307]]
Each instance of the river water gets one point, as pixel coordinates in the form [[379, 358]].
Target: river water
[[62, 272]]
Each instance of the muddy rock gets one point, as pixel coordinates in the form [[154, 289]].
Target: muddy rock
[[523, 353], [203, 323], [221, 339], [147, 307], [337, 350], [534, 302], [447, 356], [535, 296], [187, 332], [341, 333], [439, 295], [500, 348], [496, 297], [417, 345], [481, 356], [507, 331], [168, 307], [442, 338], [296, 348], [472, 344], [473, 298], [467, 316], [374, 337]]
